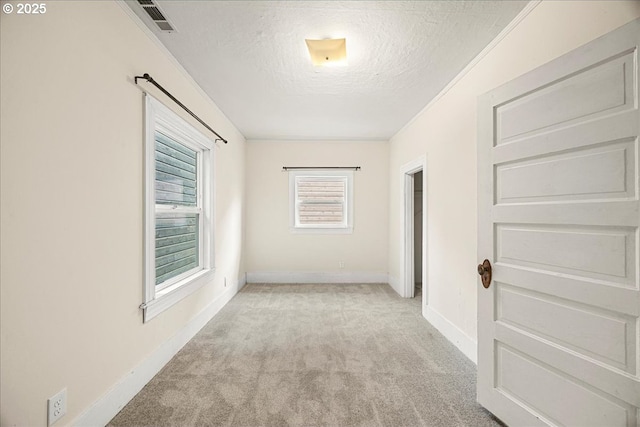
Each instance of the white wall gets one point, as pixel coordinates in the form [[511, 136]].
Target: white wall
[[72, 185], [446, 133], [72, 205], [272, 250]]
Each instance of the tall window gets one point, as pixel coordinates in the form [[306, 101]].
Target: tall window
[[179, 194], [321, 201]]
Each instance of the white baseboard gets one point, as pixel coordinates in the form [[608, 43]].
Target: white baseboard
[[106, 407], [241, 282], [394, 282], [315, 277], [462, 341]]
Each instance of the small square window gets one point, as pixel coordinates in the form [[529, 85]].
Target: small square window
[[321, 201]]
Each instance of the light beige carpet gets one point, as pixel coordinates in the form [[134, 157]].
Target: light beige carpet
[[310, 355]]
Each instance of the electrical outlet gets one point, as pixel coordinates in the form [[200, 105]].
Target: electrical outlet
[[341, 264], [225, 282], [57, 406]]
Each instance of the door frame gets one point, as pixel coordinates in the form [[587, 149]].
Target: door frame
[[408, 170]]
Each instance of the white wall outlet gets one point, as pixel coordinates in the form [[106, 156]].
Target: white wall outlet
[[341, 264], [57, 406]]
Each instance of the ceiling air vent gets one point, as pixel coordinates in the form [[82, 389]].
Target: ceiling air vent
[[156, 15]]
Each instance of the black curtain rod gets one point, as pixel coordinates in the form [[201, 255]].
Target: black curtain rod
[[148, 78], [288, 168]]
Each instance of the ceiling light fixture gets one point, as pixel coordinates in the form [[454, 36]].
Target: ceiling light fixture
[[327, 52]]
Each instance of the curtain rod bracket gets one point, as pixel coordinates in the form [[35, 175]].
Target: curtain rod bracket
[[148, 78]]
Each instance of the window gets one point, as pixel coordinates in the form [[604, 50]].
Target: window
[[179, 194], [321, 201]]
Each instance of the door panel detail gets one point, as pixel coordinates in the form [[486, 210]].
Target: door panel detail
[[564, 401], [570, 176], [589, 92], [598, 252], [559, 214], [595, 333]]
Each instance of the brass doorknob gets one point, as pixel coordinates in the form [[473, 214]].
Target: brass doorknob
[[484, 270]]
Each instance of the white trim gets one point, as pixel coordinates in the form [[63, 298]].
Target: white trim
[[407, 254], [314, 141], [148, 292], [394, 282], [320, 230], [107, 406], [512, 25], [408, 276], [169, 122], [171, 295], [316, 277], [181, 279], [415, 165], [159, 298], [462, 341], [345, 228]]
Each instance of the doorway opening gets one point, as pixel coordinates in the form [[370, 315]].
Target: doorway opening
[[415, 219], [417, 234]]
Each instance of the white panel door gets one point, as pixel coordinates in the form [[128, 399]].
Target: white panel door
[[558, 187]]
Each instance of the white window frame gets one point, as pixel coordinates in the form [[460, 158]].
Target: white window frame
[[345, 228], [156, 299]]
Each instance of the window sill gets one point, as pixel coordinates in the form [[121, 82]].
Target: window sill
[[171, 295]]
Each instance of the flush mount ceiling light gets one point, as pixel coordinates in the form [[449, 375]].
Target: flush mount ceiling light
[[327, 52]]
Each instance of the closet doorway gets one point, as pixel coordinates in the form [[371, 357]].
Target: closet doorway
[[414, 225]]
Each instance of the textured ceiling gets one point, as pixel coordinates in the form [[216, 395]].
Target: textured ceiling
[[251, 59]]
